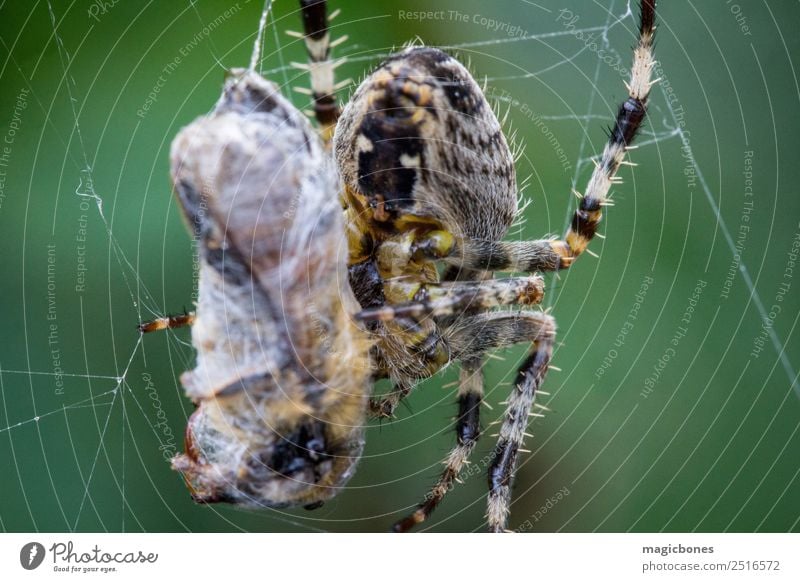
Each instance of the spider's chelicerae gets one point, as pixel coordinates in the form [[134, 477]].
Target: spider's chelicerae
[[287, 351]]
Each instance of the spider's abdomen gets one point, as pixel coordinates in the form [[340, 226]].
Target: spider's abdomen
[[419, 138]]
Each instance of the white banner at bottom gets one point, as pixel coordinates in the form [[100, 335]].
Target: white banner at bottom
[[388, 557]]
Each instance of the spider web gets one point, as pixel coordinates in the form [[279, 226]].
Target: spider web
[[116, 403]]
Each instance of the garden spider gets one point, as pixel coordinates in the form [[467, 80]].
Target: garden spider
[[427, 179]]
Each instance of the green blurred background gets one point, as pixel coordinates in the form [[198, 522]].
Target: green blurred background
[[662, 418]]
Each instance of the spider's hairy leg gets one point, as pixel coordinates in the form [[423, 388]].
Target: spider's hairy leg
[[453, 298], [473, 336], [499, 329], [510, 256], [470, 339], [512, 433], [320, 65], [629, 119], [168, 322], [470, 394]]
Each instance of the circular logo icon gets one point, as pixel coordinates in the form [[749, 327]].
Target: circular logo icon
[[31, 555]]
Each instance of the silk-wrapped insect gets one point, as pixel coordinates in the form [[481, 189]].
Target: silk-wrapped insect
[[282, 375]]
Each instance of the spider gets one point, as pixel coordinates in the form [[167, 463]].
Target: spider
[[427, 192]]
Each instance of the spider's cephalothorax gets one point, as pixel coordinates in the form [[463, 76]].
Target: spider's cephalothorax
[[427, 180]]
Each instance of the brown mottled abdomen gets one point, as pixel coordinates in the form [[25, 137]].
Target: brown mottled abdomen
[[419, 138]]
